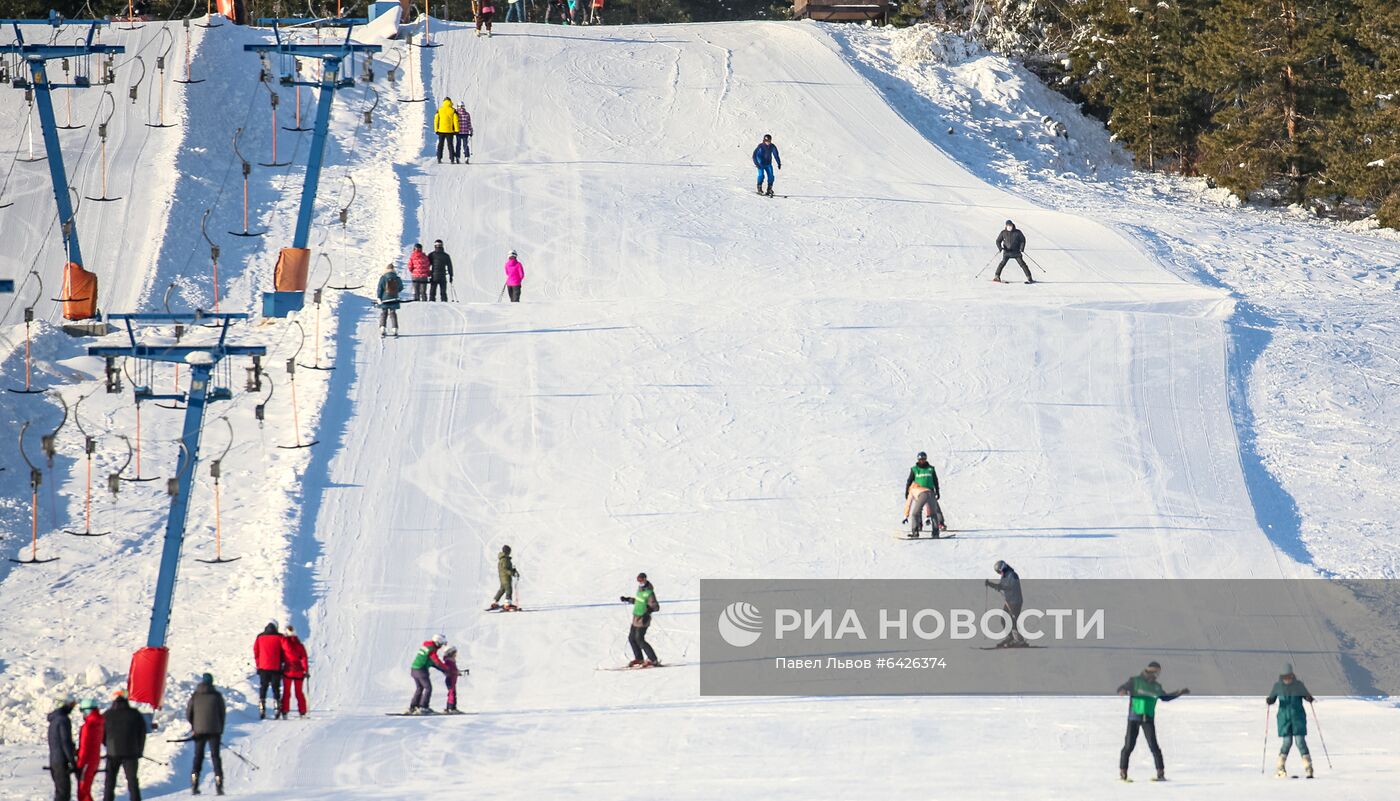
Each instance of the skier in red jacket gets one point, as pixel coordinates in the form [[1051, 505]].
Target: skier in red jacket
[[294, 671], [89, 748], [267, 658]]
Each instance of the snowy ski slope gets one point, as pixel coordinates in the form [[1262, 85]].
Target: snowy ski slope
[[706, 383], [700, 383]]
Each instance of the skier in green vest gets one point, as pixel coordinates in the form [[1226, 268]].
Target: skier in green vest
[[921, 494], [643, 604], [1292, 719], [1145, 692]]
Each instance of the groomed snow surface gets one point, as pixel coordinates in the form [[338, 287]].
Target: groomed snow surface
[[704, 383]]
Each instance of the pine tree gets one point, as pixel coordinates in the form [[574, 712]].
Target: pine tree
[[1364, 153], [1273, 68], [1130, 63]]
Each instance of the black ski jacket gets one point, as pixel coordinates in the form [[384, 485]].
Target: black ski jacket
[[61, 751], [1011, 242], [205, 711], [441, 264], [125, 730]]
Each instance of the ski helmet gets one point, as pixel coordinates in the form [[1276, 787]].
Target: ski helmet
[[641, 577], [511, 255], [1153, 666], [922, 456], [87, 704], [451, 650], [440, 639], [999, 566]]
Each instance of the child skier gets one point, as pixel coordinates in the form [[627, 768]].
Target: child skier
[[644, 603], [1009, 585], [505, 570], [464, 133], [427, 657], [387, 293], [450, 674], [1290, 693], [90, 739], [1145, 692]]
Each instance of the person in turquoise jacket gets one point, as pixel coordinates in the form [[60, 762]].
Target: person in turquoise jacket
[[1292, 719], [644, 603], [1144, 692]]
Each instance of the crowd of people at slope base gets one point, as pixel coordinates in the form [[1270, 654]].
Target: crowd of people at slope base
[[564, 12]]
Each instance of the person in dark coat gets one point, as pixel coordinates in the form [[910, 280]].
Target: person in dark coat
[[63, 757], [1291, 692], [125, 730], [1012, 243], [205, 713], [267, 658], [440, 265], [1009, 585]]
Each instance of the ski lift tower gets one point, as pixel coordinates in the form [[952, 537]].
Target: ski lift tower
[[79, 294], [146, 680], [293, 263]]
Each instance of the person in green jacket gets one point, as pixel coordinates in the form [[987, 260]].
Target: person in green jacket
[[643, 604], [505, 569], [1145, 692], [921, 496], [1292, 718]]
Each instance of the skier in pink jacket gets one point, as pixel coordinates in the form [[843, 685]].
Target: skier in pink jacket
[[515, 276]]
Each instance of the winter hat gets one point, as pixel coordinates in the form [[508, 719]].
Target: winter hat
[[61, 701], [505, 549], [1010, 223], [290, 631], [999, 566], [1288, 669], [1153, 666], [207, 678]]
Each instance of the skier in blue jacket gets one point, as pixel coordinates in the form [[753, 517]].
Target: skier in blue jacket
[[764, 157]]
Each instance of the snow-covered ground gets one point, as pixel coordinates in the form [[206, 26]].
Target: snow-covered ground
[[704, 383]]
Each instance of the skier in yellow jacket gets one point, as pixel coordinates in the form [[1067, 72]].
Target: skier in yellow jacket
[[446, 126]]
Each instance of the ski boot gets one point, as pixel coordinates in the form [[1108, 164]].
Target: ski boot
[[1281, 770], [218, 784], [262, 710], [1307, 766], [1030, 280], [426, 710], [1123, 775], [382, 331], [998, 280], [932, 527], [194, 784], [760, 187], [450, 709], [394, 333], [769, 193], [413, 710], [634, 663], [1161, 775], [651, 663], [493, 607], [510, 607]]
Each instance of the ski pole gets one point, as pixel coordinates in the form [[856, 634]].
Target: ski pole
[[1036, 263], [245, 760], [1320, 738], [503, 293], [166, 764], [984, 268], [1264, 757]]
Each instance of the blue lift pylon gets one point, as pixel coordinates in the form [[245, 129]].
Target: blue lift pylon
[[79, 295], [293, 263], [146, 681]]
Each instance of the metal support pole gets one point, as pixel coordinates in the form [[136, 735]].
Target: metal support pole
[[49, 126], [317, 154]]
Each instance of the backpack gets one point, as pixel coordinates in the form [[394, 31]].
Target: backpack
[[395, 285]]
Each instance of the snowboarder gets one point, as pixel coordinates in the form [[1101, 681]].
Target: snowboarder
[[440, 271], [515, 11], [450, 674], [643, 605], [427, 657], [1290, 693], [1012, 243], [445, 125], [505, 569], [125, 731], [63, 757], [1145, 692], [1009, 585], [89, 748], [464, 133], [387, 294], [515, 276], [420, 269], [267, 658], [764, 157], [205, 713], [294, 673], [921, 496]]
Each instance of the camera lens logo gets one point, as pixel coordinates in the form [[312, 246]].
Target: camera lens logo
[[741, 624]]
